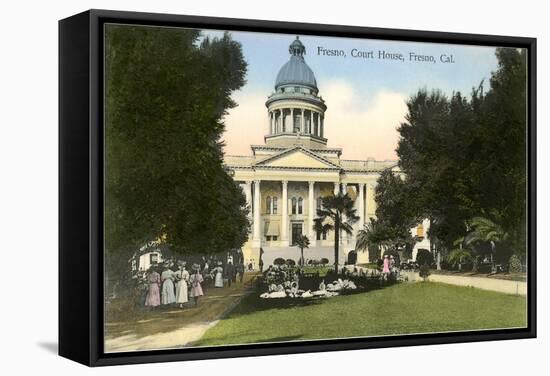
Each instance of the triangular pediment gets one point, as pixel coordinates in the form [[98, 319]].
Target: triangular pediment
[[297, 157]]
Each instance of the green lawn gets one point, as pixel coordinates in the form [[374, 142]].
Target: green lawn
[[397, 309]]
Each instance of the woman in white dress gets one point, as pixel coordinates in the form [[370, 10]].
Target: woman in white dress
[[167, 277], [182, 276], [218, 275]]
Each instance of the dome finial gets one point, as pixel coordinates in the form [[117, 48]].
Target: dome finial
[[296, 48]]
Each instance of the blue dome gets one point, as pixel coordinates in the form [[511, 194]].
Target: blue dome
[[296, 71]]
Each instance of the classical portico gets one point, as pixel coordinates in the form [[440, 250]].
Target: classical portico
[[285, 178]]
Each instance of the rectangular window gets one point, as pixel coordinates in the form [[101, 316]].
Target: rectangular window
[[268, 238], [154, 258], [296, 232]]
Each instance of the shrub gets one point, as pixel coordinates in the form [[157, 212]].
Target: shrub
[[514, 265], [279, 261], [324, 261], [290, 262], [424, 272], [424, 257]]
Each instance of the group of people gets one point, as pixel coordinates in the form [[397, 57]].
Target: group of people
[[173, 287], [389, 268], [176, 285], [228, 275]]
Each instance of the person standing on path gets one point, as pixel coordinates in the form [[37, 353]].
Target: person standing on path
[[386, 268], [196, 280], [240, 270], [218, 275], [230, 273], [182, 276], [167, 277], [153, 291]]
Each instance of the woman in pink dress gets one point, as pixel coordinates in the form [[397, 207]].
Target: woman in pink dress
[[195, 280], [153, 293], [386, 268]]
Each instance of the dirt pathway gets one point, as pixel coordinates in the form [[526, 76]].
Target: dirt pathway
[[171, 327]]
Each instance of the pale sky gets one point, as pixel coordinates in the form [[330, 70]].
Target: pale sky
[[365, 97]]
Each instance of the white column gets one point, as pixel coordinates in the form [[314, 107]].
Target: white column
[[367, 197], [282, 120], [292, 119], [284, 215], [361, 200], [303, 123], [311, 214], [336, 188], [257, 203], [345, 236], [248, 195]]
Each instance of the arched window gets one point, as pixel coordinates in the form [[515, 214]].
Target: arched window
[[294, 205], [274, 208], [300, 205], [268, 205]]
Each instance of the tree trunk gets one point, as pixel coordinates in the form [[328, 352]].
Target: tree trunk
[[302, 251], [438, 262]]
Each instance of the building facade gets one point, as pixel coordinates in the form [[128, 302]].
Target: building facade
[[285, 178]]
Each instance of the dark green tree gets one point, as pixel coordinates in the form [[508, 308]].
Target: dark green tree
[[167, 91], [464, 158], [395, 213]]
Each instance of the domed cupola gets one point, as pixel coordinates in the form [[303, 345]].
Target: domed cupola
[[296, 111], [296, 71]]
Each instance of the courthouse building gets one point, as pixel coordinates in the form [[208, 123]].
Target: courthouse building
[[285, 178]]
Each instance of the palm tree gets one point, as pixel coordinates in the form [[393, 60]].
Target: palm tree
[[336, 213], [302, 242], [369, 237], [486, 230]]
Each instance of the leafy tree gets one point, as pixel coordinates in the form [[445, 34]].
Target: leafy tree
[[336, 213], [459, 257], [424, 272], [466, 157], [166, 94], [395, 216], [485, 230], [424, 257], [302, 242], [370, 237]]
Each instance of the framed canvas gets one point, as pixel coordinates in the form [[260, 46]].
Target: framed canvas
[[234, 187]]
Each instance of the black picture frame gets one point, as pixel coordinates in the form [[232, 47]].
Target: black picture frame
[[81, 182]]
